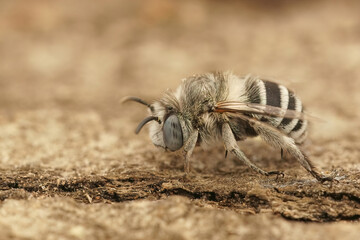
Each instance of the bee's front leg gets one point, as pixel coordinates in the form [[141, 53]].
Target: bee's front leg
[[188, 149]]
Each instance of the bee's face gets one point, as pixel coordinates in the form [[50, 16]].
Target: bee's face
[[167, 125], [170, 133]]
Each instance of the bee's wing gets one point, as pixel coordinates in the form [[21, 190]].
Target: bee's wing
[[255, 108], [257, 123]]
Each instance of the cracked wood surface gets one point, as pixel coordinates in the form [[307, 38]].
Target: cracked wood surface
[[305, 200]]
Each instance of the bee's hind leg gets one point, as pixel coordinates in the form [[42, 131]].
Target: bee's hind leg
[[188, 149], [231, 146], [286, 143]]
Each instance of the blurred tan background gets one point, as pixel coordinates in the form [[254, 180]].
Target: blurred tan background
[[85, 52], [64, 66]]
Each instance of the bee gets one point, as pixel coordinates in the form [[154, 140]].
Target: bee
[[221, 106]]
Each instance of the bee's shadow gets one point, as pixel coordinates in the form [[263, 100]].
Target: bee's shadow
[[213, 161]]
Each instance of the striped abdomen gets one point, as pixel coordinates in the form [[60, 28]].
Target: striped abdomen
[[273, 94]]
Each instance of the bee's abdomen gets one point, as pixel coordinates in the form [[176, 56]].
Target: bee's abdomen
[[273, 94]]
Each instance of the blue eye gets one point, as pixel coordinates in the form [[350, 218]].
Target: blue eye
[[173, 137]]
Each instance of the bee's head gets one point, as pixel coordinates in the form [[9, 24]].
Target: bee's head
[[167, 128]]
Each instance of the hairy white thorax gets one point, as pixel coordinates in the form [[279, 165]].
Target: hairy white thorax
[[237, 91]]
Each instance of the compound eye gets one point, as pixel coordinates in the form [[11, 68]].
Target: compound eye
[[173, 137]]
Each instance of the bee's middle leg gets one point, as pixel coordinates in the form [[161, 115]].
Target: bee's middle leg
[[231, 146], [188, 149]]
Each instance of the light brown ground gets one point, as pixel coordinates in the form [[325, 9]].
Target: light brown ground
[[71, 166]]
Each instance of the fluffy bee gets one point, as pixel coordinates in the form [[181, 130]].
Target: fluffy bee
[[221, 106]]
